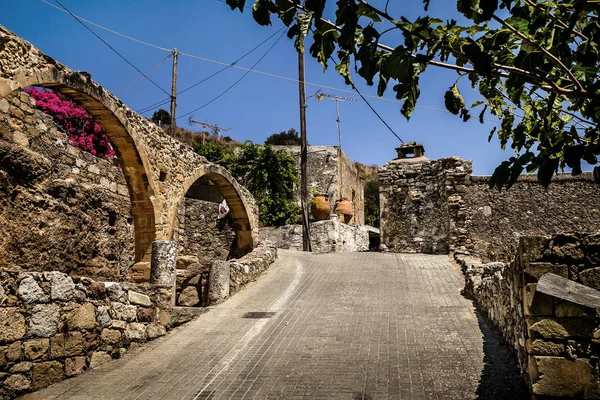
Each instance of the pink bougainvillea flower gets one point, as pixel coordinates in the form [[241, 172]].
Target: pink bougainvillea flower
[[83, 132]]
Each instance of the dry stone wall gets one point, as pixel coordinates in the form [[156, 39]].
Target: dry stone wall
[[53, 327], [495, 219], [60, 208], [436, 206], [331, 236], [200, 234], [422, 205], [555, 333]]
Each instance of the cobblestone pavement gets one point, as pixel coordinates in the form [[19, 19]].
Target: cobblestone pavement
[[343, 326]]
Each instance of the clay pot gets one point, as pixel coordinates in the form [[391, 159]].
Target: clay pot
[[344, 207], [320, 208]]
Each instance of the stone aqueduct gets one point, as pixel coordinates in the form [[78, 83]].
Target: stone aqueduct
[[158, 169]]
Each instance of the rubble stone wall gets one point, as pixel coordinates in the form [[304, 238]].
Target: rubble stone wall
[[61, 209], [331, 236], [497, 218], [422, 206], [53, 327], [556, 339], [200, 234]]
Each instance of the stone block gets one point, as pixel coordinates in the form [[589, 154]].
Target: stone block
[[590, 277], [145, 314], [99, 358], [155, 330], [35, 349], [140, 272], [45, 374], [139, 299], [559, 328], [14, 352], [115, 292], [111, 336], [537, 304], [218, 282], [103, 317], [534, 270], [12, 325], [164, 254], [136, 332], [559, 377], [544, 347], [74, 366], [66, 344], [184, 261], [24, 366], [62, 285], [82, 318], [96, 290], [123, 312], [188, 297], [17, 383], [31, 292], [566, 309], [44, 320]]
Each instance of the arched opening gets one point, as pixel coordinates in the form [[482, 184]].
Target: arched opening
[[205, 233], [113, 118]]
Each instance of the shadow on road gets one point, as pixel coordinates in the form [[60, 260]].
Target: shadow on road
[[500, 377]]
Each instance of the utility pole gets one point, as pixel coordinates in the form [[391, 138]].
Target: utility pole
[[174, 90], [306, 246]]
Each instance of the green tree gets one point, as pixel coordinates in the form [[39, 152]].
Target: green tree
[[289, 138], [269, 174], [161, 117], [372, 202], [535, 65]]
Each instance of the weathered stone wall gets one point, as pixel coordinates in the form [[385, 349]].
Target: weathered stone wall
[[329, 236], [436, 206], [570, 204], [200, 234], [53, 327], [555, 336], [248, 268], [60, 208], [422, 206], [325, 170]]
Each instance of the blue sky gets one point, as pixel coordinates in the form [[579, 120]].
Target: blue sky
[[259, 105]]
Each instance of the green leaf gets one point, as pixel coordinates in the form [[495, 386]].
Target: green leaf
[[398, 65], [364, 10], [520, 24], [343, 66], [481, 115], [409, 92], [236, 4], [481, 60], [261, 11]]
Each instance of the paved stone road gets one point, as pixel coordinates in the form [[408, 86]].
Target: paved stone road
[[344, 326]]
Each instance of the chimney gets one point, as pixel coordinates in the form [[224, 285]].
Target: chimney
[[410, 150]]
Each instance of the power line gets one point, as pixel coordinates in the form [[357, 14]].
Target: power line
[[236, 82], [110, 47], [148, 108], [238, 67], [134, 84], [107, 29]]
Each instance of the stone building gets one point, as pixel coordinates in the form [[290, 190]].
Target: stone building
[[337, 176]]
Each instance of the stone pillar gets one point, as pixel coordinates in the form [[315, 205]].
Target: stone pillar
[[162, 267], [218, 282]]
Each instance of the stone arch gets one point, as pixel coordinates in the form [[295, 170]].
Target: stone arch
[[113, 116], [241, 205]]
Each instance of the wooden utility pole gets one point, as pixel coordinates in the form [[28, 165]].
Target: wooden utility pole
[[174, 91], [306, 246]]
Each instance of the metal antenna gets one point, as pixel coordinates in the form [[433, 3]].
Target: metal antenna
[[216, 129]]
